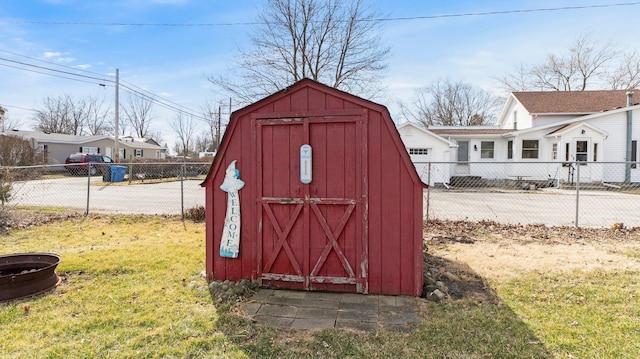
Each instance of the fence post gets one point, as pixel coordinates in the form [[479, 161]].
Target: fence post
[[88, 187], [182, 190], [577, 193], [428, 188]]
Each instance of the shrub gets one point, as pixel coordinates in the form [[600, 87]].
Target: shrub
[[15, 151], [6, 183], [196, 214]]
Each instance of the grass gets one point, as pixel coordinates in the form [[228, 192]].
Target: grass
[[132, 289], [585, 314]]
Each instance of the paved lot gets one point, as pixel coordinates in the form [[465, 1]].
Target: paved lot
[[547, 206], [107, 197], [320, 310]]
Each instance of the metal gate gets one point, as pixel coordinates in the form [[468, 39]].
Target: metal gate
[[310, 182]]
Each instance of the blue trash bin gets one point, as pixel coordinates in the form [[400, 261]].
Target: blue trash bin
[[117, 173]]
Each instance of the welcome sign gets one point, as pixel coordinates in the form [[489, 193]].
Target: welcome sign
[[230, 241]]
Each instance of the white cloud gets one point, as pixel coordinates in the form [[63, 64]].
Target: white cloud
[[83, 67], [66, 60], [50, 54]]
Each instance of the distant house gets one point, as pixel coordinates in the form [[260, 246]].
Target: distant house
[[553, 129], [56, 147], [425, 146]]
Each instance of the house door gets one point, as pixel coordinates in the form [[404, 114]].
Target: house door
[[310, 210], [582, 156], [462, 164]]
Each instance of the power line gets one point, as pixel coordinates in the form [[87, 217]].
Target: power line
[[55, 70], [426, 17], [49, 74], [51, 62], [123, 83], [103, 82], [18, 107], [487, 13], [161, 103]]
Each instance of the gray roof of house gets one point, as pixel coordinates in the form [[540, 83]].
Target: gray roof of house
[[73, 139]]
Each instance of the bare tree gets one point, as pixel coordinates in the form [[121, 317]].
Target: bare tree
[[2, 117], [212, 114], [451, 104], [586, 64], [184, 126], [336, 42], [98, 117], [138, 112], [7, 122], [155, 136], [62, 114], [626, 75], [202, 143]]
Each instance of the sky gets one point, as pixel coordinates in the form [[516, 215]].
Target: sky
[[168, 48]]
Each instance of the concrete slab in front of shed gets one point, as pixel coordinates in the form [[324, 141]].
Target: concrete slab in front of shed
[[319, 310]]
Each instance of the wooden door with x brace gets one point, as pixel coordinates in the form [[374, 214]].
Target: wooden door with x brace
[[312, 207]]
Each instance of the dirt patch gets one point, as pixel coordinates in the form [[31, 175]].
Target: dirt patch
[[465, 255]]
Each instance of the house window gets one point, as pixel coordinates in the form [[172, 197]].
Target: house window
[[158, 155], [566, 152], [634, 153], [595, 152], [463, 151], [581, 151], [515, 120], [486, 149], [510, 149], [419, 151], [529, 149], [554, 151], [137, 152], [89, 150]]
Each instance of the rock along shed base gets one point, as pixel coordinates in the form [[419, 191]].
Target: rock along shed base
[[331, 200]]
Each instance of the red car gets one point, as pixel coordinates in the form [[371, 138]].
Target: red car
[[79, 163]]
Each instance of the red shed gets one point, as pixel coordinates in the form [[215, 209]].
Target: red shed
[[331, 200]]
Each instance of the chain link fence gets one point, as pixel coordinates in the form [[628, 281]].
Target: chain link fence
[[586, 194], [131, 188]]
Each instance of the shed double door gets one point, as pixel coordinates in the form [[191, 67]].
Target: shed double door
[[310, 235]]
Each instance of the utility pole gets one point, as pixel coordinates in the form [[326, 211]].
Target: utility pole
[[116, 156]]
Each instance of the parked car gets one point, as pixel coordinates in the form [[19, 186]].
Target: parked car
[[81, 163]]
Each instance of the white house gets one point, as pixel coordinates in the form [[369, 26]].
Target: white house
[[424, 147], [552, 130]]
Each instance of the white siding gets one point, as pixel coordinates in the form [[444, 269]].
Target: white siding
[[515, 112], [438, 151]]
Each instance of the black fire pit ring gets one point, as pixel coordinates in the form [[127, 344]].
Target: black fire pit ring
[[27, 274]]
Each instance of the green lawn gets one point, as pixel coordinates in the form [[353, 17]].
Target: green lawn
[[132, 289]]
